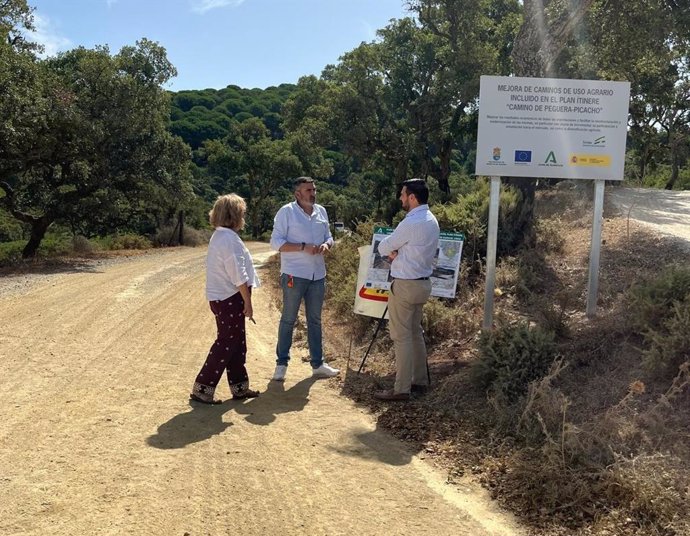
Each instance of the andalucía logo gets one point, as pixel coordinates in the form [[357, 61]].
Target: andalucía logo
[[550, 161], [523, 156], [497, 153]]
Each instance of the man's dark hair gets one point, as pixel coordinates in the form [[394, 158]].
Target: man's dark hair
[[417, 187], [299, 181]]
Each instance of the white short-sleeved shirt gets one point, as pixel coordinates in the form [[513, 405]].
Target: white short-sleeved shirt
[[293, 225], [228, 265]]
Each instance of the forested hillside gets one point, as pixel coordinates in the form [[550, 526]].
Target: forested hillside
[[208, 114]]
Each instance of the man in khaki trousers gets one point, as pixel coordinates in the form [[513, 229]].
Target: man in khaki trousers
[[412, 248]]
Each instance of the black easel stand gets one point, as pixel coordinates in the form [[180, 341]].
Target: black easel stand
[[378, 327], [373, 338]]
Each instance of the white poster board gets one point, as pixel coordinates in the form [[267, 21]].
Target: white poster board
[[373, 278], [368, 301], [550, 127]]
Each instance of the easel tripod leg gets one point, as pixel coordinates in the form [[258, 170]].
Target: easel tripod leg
[[373, 338]]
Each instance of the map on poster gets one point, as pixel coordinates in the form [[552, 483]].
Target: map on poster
[[444, 278]]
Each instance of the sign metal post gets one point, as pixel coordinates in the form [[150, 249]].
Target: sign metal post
[[491, 253], [595, 248]]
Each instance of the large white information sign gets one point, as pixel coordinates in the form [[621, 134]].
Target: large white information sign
[[549, 127]]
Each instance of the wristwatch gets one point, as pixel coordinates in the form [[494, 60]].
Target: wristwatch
[[303, 244]]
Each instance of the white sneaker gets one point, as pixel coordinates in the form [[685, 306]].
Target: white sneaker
[[324, 371], [279, 374]]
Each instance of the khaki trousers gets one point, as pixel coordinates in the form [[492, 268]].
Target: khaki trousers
[[405, 303]]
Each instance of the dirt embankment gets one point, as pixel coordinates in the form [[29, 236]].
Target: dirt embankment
[[97, 436]]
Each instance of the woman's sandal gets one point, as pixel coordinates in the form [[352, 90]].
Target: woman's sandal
[[211, 402], [245, 394]]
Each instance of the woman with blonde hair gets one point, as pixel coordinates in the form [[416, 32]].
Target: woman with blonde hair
[[230, 277]]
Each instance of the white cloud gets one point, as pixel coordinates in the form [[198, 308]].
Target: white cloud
[[46, 35], [202, 6]]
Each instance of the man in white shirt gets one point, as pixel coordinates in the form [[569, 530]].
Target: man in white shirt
[[412, 248], [302, 236]]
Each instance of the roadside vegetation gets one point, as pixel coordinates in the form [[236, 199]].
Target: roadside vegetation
[[580, 427]]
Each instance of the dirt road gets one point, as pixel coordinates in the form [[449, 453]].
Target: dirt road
[[665, 211], [97, 436]]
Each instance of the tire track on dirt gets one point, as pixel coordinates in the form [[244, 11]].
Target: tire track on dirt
[[99, 437]]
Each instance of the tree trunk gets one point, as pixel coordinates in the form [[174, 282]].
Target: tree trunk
[[642, 167], [440, 172], [675, 169], [540, 41], [180, 220], [537, 47], [39, 226]]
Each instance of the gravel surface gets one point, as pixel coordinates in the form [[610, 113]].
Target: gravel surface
[[20, 279]]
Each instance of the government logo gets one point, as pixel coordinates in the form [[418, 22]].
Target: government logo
[[523, 157]]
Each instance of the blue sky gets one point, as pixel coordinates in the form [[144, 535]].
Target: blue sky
[[215, 43]]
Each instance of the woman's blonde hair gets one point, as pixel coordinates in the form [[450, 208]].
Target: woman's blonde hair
[[228, 211]]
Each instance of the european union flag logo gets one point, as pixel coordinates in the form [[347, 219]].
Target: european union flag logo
[[523, 156]]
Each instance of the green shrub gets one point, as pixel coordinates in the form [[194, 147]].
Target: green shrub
[[11, 252], [130, 241], [470, 214], [660, 311], [651, 303], [54, 245], [10, 228], [168, 235], [511, 357], [444, 320], [670, 343], [82, 245], [659, 176], [102, 242]]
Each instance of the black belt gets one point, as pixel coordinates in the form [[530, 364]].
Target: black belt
[[415, 279]]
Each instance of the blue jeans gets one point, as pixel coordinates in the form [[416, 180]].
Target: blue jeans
[[313, 293]]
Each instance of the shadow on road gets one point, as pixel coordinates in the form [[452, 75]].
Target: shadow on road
[[204, 421], [376, 445], [51, 267], [199, 424], [274, 401]]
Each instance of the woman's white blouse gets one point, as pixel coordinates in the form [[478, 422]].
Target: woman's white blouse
[[228, 265]]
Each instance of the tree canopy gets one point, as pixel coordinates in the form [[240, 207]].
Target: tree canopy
[[85, 139]]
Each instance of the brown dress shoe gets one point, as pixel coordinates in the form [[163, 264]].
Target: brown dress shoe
[[390, 396]]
